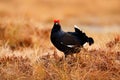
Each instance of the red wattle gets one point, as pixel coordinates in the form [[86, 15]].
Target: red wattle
[[56, 21]]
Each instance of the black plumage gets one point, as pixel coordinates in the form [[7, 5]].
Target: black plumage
[[68, 42]]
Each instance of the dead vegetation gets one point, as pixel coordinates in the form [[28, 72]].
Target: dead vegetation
[[25, 62], [26, 52]]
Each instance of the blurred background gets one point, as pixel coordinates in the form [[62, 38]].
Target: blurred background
[[18, 18], [26, 52], [84, 12]]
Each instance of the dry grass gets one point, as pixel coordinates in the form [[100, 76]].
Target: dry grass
[[42, 61], [102, 64], [27, 53]]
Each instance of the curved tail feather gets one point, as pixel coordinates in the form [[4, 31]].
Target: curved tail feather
[[90, 41]]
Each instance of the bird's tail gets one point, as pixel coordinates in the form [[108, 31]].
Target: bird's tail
[[90, 40]]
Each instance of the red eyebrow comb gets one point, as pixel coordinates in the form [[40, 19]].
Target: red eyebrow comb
[[56, 21]]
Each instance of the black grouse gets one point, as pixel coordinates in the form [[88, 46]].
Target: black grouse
[[68, 42]]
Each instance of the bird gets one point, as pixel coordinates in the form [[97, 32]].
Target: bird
[[68, 42]]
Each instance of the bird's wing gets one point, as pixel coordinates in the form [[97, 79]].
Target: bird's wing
[[69, 40]]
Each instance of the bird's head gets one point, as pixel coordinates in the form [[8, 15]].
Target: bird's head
[[56, 25], [56, 21]]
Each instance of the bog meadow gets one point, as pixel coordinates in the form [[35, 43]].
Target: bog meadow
[[26, 52]]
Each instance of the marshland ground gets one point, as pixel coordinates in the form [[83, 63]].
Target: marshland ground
[[27, 53]]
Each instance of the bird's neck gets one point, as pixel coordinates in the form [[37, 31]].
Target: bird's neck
[[56, 27]]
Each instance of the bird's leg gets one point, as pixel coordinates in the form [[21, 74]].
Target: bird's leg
[[66, 55], [72, 55]]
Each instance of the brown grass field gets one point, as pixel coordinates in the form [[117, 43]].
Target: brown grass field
[[26, 52]]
